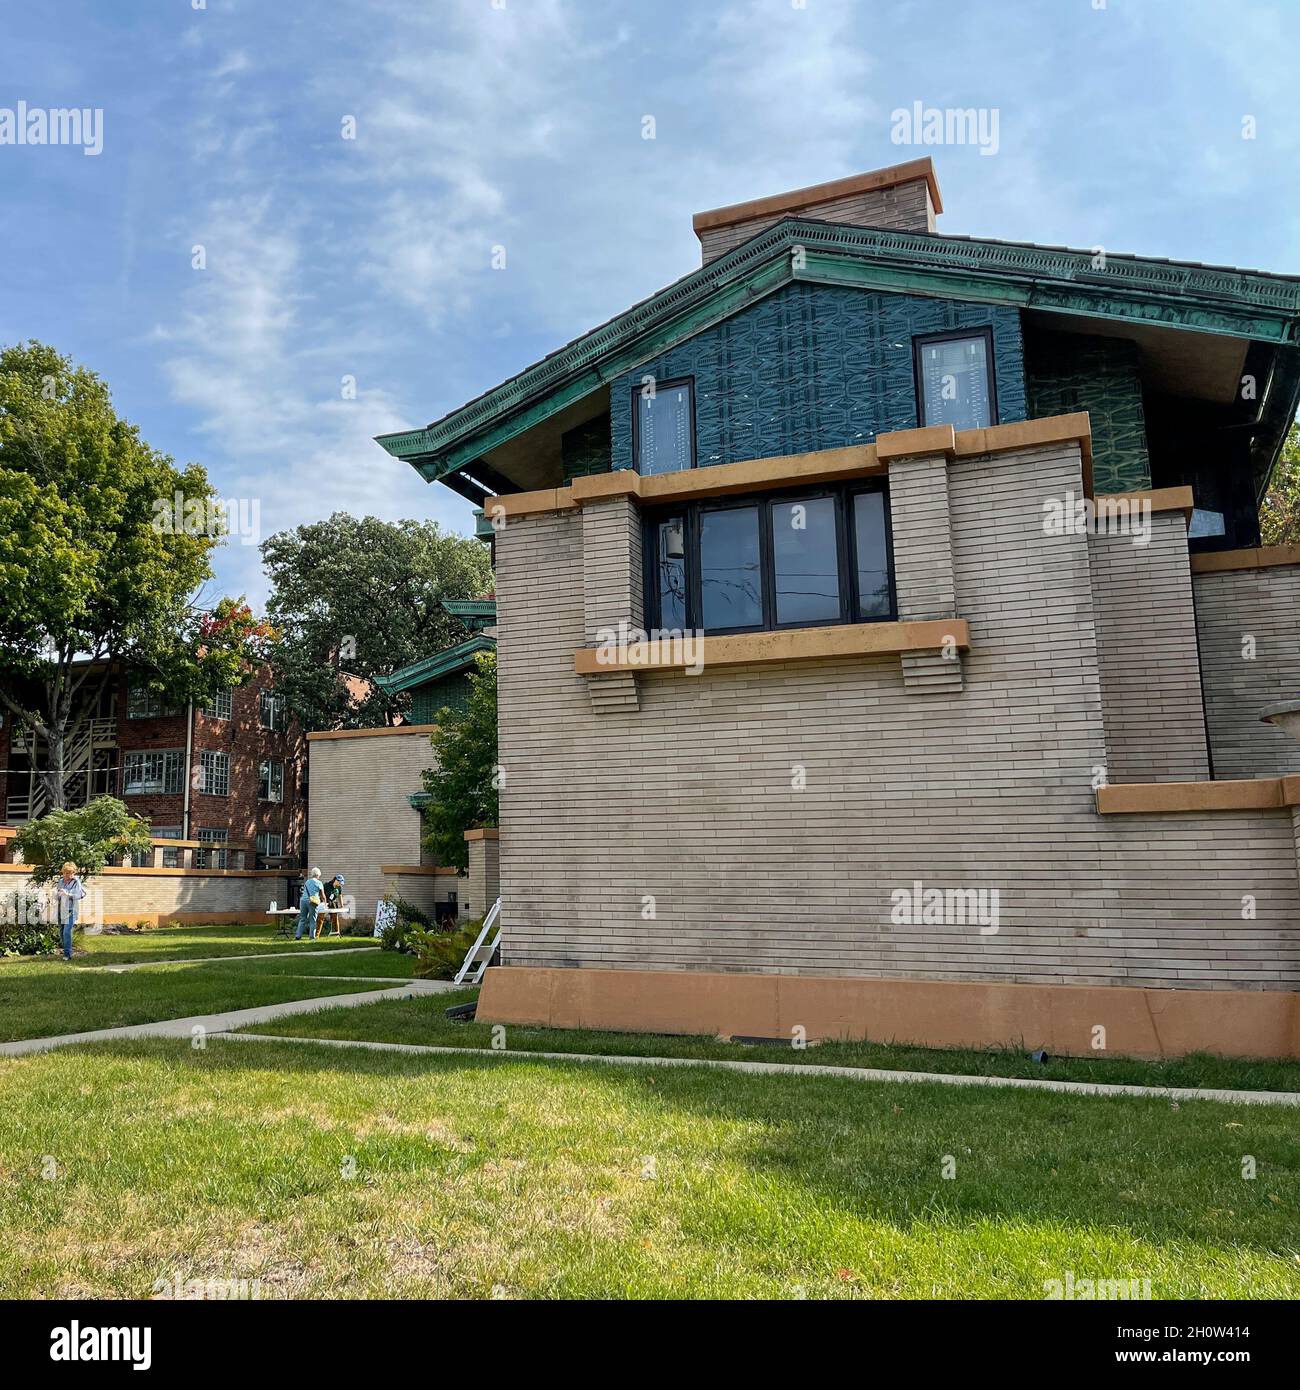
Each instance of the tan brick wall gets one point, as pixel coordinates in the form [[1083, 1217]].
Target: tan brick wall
[[686, 807], [1231, 606], [359, 817], [126, 895], [1150, 670]]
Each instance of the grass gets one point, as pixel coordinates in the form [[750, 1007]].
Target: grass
[[193, 943], [324, 1173], [39, 998], [422, 1021]]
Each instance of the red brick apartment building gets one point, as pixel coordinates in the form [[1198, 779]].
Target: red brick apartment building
[[228, 773]]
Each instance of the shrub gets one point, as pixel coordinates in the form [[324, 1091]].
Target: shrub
[[24, 932], [89, 836], [439, 954]]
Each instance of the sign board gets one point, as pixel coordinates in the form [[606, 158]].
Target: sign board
[[385, 916]]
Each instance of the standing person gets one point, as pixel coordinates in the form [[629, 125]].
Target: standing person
[[68, 893], [312, 892], [334, 899]]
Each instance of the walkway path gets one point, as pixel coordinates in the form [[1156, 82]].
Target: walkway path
[[222, 1023], [1087, 1088], [289, 954]]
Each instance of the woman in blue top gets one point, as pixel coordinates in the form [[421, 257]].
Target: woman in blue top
[[68, 893], [312, 892]]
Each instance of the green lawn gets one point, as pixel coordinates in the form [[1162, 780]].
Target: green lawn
[[325, 1173], [39, 998], [423, 1021], [193, 943]]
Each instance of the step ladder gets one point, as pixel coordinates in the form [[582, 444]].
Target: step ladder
[[481, 952]]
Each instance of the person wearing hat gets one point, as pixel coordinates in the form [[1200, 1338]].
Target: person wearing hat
[[313, 892], [68, 893], [334, 899]]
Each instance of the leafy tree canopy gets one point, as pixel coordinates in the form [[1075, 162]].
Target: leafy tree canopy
[[362, 597], [89, 836], [464, 786], [1279, 518], [104, 545]]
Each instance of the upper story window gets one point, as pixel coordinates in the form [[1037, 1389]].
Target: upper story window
[[954, 379], [214, 773], [801, 560], [160, 773], [663, 426], [144, 704], [219, 706], [270, 710], [270, 780]]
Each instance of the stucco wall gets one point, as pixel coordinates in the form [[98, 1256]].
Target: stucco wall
[[359, 814], [1244, 677], [668, 833]]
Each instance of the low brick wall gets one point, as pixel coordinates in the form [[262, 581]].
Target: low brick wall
[[177, 896]]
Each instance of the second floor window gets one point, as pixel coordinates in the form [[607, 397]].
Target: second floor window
[[219, 706], [954, 380], [269, 845], [270, 785], [270, 709], [160, 773], [663, 427], [214, 773], [802, 560], [144, 704], [212, 858]]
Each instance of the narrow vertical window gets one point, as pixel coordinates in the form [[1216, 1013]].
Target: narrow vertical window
[[871, 552], [805, 561], [670, 571], [954, 379], [663, 427], [731, 580]]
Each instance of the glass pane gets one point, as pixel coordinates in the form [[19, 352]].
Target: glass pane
[[872, 554], [730, 576], [670, 541], [664, 430], [806, 561], [955, 383]]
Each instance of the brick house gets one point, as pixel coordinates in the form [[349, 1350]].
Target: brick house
[[873, 654], [231, 773]]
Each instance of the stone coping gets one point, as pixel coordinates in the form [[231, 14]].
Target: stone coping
[[1259, 557], [1249, 794]]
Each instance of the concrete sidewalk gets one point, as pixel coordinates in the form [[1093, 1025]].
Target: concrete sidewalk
[[222, 1023], [1086, 1088]]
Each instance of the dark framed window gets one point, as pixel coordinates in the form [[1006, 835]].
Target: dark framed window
[[663, 426], [954, 379], [754, 564]]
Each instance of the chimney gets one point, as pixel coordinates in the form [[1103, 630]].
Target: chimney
[[902, 198]]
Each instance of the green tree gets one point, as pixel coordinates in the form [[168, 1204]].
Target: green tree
[[89, 836], [464, 784], [99, 567], [356, 596], [1279, 517]]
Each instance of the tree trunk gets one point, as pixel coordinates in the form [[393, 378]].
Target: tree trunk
[[53, 777]]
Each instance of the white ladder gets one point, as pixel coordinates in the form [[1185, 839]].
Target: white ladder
[[481, 952]]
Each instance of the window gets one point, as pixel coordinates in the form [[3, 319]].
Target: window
[[144, 704], [270, 784], [219, 706], [214, 773], [170, 859], [663, 427], [211, 858], [798, 560], [270, 846], [954, 379], [270, 709], [160, 773]]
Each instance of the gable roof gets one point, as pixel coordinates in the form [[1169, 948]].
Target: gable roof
[[1181, 294], [445, 663]]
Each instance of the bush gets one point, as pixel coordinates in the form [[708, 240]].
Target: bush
[[89, 836], [24, 932], [440, 954]]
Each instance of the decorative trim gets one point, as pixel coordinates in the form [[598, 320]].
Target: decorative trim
[[131, 871], [1173, 798], [386, 732], [791, 644], [416, 870], [486, 832], [1160, 499], [1260, 557], [796, 470], [457, 658], [877, 179]]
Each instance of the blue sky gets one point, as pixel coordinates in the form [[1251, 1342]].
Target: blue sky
[[519, 123]]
